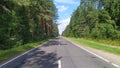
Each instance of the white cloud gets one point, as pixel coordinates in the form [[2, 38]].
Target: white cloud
[[63, 25], [62, 8], [67, 1]]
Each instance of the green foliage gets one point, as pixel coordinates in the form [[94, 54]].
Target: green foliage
[[23, 21], [95, 19], [54, 31], [113, 8]]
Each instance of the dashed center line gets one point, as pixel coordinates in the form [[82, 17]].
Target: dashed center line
[[59, 63], [59, 42]]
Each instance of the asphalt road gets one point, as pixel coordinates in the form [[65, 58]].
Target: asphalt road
[[58, 53]]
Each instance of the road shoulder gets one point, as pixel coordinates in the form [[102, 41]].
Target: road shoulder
[[114, 59]]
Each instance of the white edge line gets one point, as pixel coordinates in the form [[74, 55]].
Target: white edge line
[[93, 54], [115, 65], [20, 55], [59, 63], [97, 56]]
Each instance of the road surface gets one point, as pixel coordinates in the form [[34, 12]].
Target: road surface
[[57, 53]]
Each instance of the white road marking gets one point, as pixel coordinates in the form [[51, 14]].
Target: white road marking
[[19, 56], [59, 42], [117, 66], [59, 63], [94, 54]]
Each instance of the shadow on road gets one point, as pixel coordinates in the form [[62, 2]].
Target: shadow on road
[[51, 43], [41, 59], [54, 43]]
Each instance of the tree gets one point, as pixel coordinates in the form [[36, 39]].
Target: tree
[[23, 21], [95, 19]]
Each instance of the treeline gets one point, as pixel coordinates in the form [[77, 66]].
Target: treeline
[[98, 19], [23, 21]]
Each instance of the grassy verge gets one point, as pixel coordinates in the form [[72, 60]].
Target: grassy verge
[[6, 54], [96, 45], [109, 42]]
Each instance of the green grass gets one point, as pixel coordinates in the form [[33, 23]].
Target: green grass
[[6, 54], [107, 41], [96, 45]]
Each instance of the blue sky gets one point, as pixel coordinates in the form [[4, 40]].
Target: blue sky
[[65, 10]]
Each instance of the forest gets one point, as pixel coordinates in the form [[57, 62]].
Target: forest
[[24, 21], [95, 19]]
